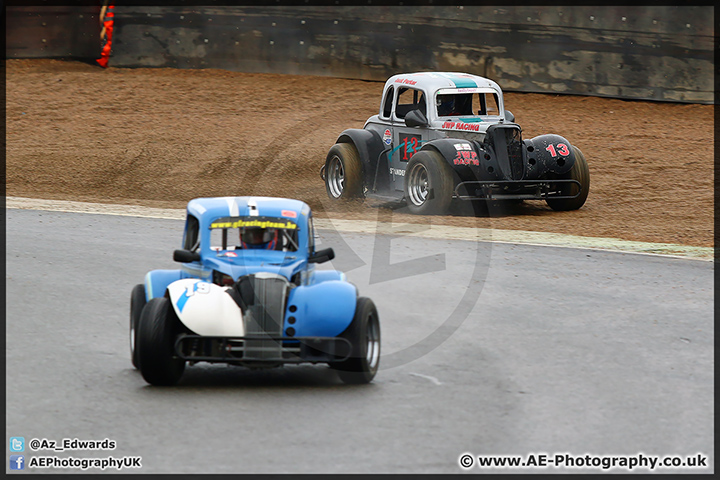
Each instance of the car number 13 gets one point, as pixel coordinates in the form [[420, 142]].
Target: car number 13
[[562, 149]]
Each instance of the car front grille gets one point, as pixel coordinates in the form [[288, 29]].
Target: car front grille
[[514, 149], [506, 142], [264, 318]]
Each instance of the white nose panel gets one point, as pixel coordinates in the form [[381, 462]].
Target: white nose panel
[[206, 309]]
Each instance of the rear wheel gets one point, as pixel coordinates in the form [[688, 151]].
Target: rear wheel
[[137, 302], [343, 172], [428, 183], [364, 336], [157, 330], [579, 172]]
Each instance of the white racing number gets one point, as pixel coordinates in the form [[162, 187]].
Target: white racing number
[[198, 287]]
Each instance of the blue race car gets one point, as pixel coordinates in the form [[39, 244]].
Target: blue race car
[[248, 293]]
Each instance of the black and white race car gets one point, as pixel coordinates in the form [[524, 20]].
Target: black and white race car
[[442, 135]]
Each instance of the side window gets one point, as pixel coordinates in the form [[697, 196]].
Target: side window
[[486, 104], [387, 103], [409, 99], [192, 233], [311, 232]]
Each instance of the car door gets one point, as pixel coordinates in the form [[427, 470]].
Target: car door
[[406, 141]]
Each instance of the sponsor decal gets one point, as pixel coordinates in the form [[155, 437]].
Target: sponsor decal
[[466, 158], [397, 171], [461, 126], [387, 137], [288, 213], [463, 146], [228, 254], [260, 222]]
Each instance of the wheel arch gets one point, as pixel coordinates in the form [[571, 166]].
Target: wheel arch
[[156, 281], [322, 309], [369, 146], [445, 147], [537, 148]]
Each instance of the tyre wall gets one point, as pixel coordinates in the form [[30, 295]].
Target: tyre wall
[[657, 53]]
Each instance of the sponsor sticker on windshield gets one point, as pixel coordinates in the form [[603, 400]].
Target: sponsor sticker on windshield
[[259, 222]]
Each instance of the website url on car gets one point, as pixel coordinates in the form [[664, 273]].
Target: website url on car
[[586, 461]]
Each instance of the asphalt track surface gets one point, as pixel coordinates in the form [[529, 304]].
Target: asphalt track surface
[[487, 348]]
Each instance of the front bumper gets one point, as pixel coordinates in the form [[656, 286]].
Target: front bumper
[[262, 350], [514, 189]]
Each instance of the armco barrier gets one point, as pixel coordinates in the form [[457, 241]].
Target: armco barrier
[[657, 53]]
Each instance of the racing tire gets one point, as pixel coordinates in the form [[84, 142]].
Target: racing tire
[[364, 337], [428, 183], [343, 172], [157, 331], [579, 172], [137, 303]]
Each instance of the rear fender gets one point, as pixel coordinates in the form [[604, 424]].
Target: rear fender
[[324, 309], [205, 308], [369, 146]]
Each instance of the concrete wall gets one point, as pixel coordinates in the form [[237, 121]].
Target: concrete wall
[[659, 53], [52, 32]]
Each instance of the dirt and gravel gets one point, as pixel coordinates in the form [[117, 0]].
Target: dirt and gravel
[[159, 137]]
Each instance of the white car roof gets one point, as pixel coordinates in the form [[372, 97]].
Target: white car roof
[[433, 81]]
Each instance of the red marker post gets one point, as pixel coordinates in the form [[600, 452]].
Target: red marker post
[[107, 17]]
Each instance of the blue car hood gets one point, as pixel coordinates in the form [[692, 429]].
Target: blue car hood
[[248, 262]]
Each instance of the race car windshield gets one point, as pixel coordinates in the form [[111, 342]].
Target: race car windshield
[[466, 104], [254, 233]]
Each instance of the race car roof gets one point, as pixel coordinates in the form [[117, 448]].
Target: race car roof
[[432, 81], [207, 209]]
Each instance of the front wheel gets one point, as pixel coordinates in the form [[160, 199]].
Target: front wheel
[[343, 172], [579, 172], [157, 331], [428, 183], [364, 336], [137, 302]]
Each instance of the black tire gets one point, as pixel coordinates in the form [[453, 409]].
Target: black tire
[[343, 172], [364, 336], [428, 183], [157, 331], [579, 172], [137, 302]]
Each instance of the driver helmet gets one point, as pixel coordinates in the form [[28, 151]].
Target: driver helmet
[[258, 238], [445, 105]]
